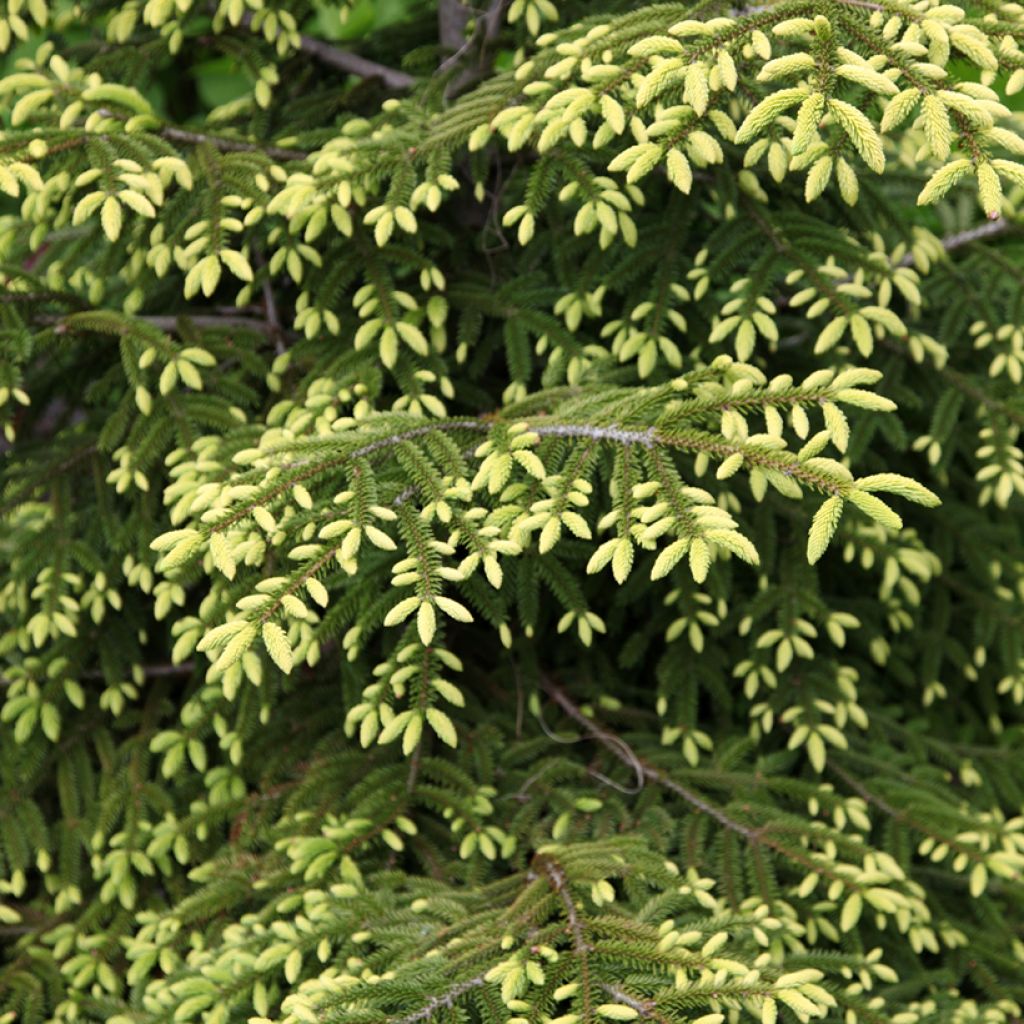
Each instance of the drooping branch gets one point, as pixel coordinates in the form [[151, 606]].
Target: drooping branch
[[647, 771], [756, 836]]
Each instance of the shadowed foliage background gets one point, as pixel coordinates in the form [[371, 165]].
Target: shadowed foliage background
[[511, 514]]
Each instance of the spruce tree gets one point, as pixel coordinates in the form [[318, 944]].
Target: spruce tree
[[511, 513]]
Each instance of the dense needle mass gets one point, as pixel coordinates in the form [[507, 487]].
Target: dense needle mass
[[511, 515]]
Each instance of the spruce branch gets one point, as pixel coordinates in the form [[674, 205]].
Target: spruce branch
[[272, 574], [904, 817], [445, 1001], [644, 770], [185, 136], [756, 836], [554, 873]]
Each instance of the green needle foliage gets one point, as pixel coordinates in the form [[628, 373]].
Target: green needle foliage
[[511, 514]]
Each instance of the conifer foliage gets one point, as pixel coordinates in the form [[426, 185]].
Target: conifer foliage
[[511, 513]]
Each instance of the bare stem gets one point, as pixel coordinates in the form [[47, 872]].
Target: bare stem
[[183, 135], [353, 64], [647, 771], [487, 30], [349, 62], [442, 1002], [961, 238], [206, 321]]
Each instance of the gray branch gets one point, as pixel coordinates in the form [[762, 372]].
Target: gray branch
[[961, 238], [353, 64], [486, 31], [641, 437], [452, 18], [183, 135], [349, 62], [442, 1002], [169, 324]]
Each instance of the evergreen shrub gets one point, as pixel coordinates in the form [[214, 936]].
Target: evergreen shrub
[[511, 515]]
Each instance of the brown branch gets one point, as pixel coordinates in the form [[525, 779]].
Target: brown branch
[[555, 876], [353, 64], [645, 770], [757, 836], [961, 238], [647, 1008], [902, 816], [485, 32], [191, 138], [275, 330], [560, 886], [452, 17], [183, 135], [442, 1002], [150, 671], [208, 321], [349, 62]]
